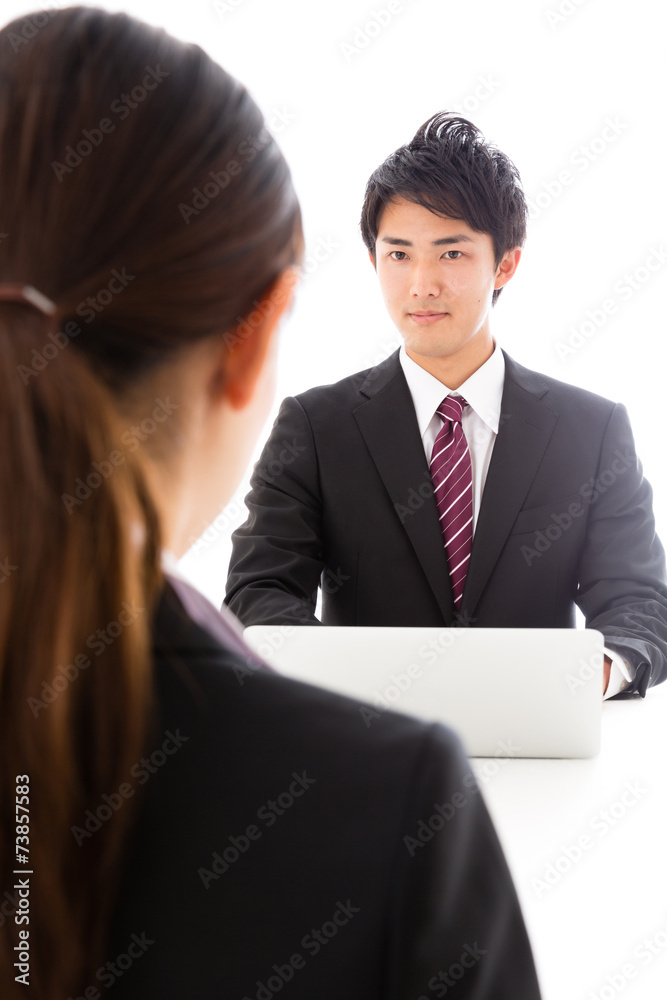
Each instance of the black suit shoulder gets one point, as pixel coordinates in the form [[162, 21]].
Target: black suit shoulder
[[272, 843], [201, 680], [352, 390], [355, 387], [555, 392]]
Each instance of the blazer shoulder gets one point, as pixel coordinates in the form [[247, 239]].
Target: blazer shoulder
[[216, 691], [198, 677], [349, 390], [555, 392]]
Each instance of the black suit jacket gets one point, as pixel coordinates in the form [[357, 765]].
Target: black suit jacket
[[277, 844], [342, 497]]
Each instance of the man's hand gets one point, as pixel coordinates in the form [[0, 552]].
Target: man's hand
[[607, 673]]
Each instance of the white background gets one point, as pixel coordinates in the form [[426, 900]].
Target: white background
[[550, 87], [543, 85], [341, 93]]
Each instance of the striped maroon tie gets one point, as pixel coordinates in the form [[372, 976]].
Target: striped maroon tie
[[451, 471]]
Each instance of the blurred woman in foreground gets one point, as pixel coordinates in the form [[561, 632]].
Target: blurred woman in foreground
[[177, 820]]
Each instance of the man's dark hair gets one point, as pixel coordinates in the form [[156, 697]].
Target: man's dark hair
[[452, 170]]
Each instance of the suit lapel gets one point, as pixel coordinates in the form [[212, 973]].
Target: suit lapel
[[526, 426], [388, 423]]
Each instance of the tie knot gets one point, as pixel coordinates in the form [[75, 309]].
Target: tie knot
[[451, 408]]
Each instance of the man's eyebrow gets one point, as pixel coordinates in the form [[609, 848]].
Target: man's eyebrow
[[445, 241]]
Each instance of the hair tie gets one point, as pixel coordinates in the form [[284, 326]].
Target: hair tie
[[28, 295]]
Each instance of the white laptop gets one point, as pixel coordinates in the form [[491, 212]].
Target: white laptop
[[506, 692]]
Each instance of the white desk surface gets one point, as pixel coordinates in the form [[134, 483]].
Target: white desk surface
[[599, 931]]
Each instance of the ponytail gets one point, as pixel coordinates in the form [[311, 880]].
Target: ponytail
[[79, 577], [156, 240]]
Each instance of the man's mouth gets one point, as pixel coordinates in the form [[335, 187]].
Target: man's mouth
[[426, 317]]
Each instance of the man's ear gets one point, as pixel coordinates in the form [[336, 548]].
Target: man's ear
[[370, 257], [246, 345], [507, 267]]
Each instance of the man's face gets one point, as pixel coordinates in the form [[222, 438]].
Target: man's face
[[437, 277]]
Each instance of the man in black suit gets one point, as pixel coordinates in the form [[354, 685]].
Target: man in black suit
[[343, 497]]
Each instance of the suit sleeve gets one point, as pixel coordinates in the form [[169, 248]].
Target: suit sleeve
[[622, 582], [455, 918], [276, 561]]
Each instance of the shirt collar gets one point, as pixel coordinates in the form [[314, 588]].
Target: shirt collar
[[483, 390]]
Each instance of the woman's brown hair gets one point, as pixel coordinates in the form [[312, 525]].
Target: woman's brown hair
[[140, 192]]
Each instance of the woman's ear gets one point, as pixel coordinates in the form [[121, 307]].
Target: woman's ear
[[245, 346]]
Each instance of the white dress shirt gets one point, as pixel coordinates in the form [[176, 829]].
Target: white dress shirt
[[483, 391]]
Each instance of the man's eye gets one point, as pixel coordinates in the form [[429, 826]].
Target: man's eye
[[401, 252], [447, 253]]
